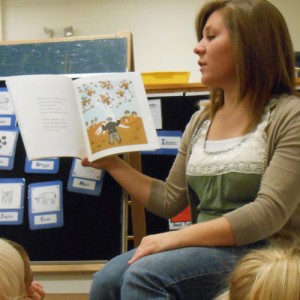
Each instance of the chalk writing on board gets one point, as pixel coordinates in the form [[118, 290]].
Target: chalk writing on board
[[68, 57]]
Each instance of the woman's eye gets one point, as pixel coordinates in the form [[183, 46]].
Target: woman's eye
[[210, 37]]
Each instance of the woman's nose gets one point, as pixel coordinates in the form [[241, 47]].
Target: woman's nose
[[199, 49]]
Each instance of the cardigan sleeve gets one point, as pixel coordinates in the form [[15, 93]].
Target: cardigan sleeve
[[169, 198], [278, 199]]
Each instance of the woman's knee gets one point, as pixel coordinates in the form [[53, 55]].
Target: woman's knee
[[142, 273], [103, 278], [140, 282], [105, 285]]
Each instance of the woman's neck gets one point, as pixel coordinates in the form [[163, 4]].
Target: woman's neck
[[231, 120]]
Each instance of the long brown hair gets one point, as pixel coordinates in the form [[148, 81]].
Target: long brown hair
[[263, 51]]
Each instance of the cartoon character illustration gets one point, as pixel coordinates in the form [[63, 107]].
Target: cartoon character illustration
[[106, 85], [125, 119], [123, 92], [7, 195], [46, 198], [107, 106], [125, 84], [3, 141], [120, 93], [105, 99], [111, 126], [89, 91], [4, 102]]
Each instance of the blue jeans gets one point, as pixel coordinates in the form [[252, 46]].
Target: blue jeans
[[188, 273]]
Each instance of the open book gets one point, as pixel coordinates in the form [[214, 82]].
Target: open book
[[93, 116]]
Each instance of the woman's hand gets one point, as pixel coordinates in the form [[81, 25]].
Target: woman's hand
[[155, 243], [36, 291], [102, 163], [217, 232], [131, 180]]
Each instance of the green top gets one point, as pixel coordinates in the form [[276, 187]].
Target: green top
[[221, 194], [227, 174]]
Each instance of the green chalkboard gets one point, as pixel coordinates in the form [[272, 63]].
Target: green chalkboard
[[65, 56]]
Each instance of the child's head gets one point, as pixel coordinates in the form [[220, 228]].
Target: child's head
[[12, 272], [15, 271], [270, 273], [28, 275]]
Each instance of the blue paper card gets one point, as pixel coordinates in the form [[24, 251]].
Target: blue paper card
[[8, 143], [45, 204], [12, 201], [42, 166], [7, 115], [169, 142], [85, 180]]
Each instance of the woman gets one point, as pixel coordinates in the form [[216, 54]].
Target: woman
[[238, 165], [16, 275]]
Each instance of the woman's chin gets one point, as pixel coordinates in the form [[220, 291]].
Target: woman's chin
[[205, 81]]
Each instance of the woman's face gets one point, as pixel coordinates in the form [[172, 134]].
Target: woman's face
[[215, 54]]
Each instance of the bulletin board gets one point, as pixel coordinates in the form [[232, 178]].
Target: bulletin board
[[92, 229]]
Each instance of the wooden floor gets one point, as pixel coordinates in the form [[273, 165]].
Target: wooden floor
[[67, 297]]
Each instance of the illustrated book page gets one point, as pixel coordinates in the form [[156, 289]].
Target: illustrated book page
[[94, 116]]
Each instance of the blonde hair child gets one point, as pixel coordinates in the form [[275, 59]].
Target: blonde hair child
[[16, 274], [267, 274], [12, 284]]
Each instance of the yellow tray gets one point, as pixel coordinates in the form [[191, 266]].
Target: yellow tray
[[165, 77]]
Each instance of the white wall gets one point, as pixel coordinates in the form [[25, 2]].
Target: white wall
[[76, 283], [163, 30]]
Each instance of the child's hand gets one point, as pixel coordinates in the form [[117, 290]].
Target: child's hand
[[35, 291]]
